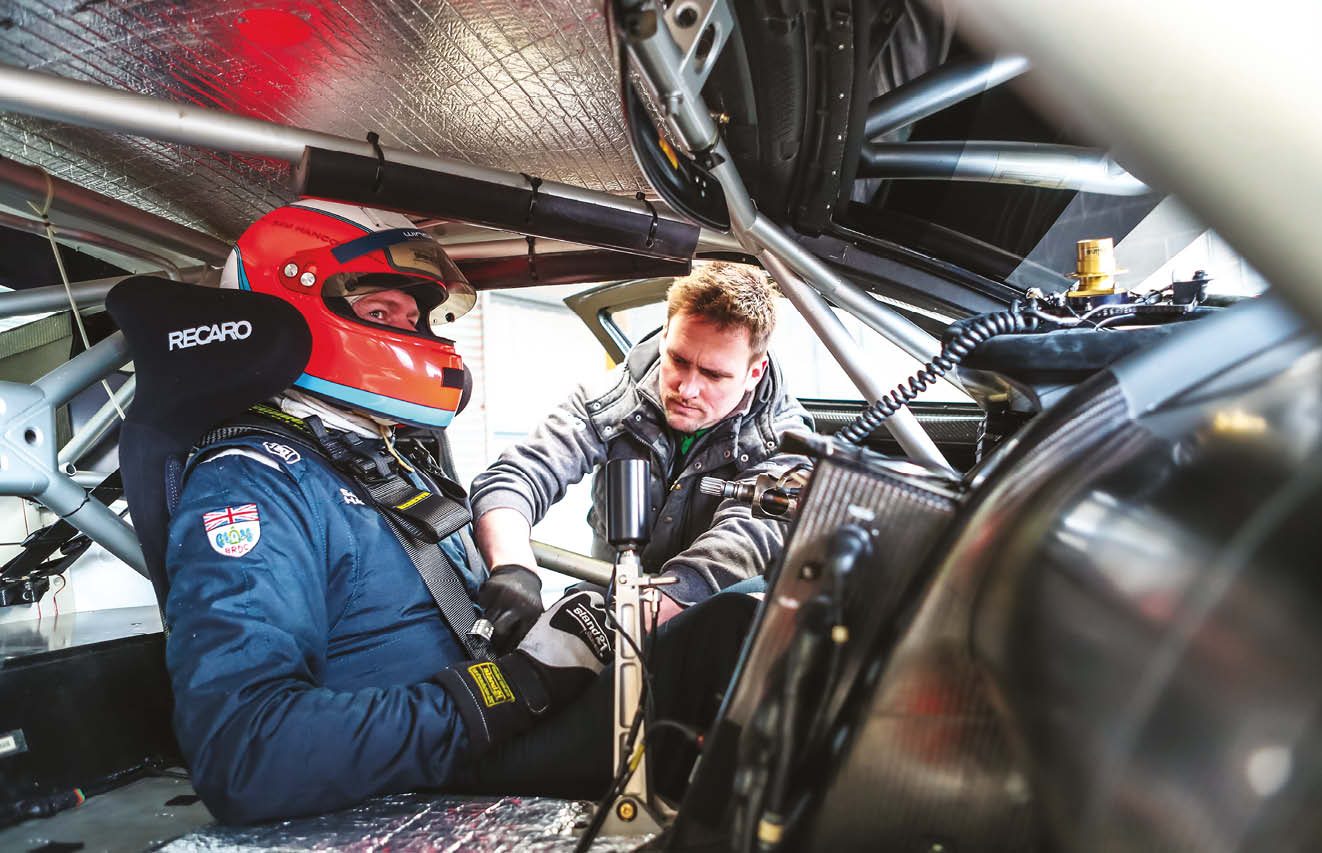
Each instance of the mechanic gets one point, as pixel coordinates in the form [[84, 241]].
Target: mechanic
[[320, 594], [705, 399]]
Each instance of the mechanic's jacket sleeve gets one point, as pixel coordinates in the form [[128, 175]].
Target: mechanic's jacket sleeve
[[534, 473], [271, 726], [735, 547]]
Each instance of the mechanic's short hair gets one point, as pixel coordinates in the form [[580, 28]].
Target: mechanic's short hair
[[728, 295]]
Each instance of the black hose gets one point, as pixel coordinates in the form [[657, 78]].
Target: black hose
[[970, 334]]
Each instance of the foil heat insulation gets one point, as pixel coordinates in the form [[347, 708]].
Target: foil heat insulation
[[520, 86], [415, 822]]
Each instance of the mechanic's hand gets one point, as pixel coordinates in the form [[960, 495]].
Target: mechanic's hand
[[668, 609], [511, 600], [559, 657]]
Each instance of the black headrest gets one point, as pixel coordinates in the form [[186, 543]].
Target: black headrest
[[202, 355]]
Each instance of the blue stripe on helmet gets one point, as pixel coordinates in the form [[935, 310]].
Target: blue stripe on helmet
[[360, 246], [380, 404], [243, 276]]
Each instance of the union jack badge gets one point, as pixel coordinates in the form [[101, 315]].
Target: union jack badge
[[234, 530]]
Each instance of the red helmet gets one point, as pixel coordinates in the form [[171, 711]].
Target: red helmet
[[317, 256]]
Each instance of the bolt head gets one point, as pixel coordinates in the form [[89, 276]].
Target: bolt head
[[307, 279]]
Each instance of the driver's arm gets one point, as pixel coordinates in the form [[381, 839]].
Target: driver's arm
[[503, 536]]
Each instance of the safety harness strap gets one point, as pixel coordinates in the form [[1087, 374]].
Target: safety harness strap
[[419, 518]]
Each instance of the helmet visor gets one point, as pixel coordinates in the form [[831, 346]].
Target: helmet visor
[[421, 268]]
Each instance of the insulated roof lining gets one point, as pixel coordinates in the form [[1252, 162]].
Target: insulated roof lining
[[519, 85]]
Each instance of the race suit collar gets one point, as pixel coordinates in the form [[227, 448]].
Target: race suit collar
[[300, 405]]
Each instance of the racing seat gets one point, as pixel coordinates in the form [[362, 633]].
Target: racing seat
[[202, 355]]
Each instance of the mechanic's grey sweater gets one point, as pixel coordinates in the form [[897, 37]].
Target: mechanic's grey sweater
[[706, 543]]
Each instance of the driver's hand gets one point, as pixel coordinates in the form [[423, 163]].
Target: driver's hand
[[567, 647], [511, 600]]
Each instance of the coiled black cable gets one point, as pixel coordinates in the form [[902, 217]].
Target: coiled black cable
[[968, 335]]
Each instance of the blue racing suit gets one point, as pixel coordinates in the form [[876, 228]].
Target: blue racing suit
[[301, 641]]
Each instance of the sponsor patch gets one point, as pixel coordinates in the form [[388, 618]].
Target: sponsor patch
[[350, 497], [234, 530], [491, 684], [284, 451]]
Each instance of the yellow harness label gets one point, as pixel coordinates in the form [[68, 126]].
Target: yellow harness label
[[489, 680], [420, 496]]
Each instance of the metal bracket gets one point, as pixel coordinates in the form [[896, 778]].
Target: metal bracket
[[674, 64], [700, 29], [651, 232], [536, 184], [375, 142]]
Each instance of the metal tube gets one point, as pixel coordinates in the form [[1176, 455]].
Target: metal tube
[[89, 479], [718, 241], [569, 563], [757, 234], [903, 425], [98, 425], [104, 108], [86, 294], [65, 234], [62, 383], [939, 88], [1031, 164], [68, 500], [72, 204], [16, 303]]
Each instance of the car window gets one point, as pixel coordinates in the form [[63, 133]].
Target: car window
[[527, 352], [808, 366]]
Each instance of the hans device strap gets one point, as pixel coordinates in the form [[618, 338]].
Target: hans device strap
[[419, 518]]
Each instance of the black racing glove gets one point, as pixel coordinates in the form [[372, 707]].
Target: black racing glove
[[511, 600], [556, 661]]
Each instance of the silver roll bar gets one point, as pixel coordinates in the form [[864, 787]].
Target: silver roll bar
[[570, 563], [98, 425], [939, 88], [29, 464], [903, 424], [75, 207], [1032, 164]]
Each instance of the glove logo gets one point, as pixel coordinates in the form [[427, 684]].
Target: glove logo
[[234, 530], [491, 684], [583, 618]]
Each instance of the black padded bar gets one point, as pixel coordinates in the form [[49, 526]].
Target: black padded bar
[[566, 268], [354, 179]]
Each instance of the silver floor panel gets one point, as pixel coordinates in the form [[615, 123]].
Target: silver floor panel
[[138, 817]]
